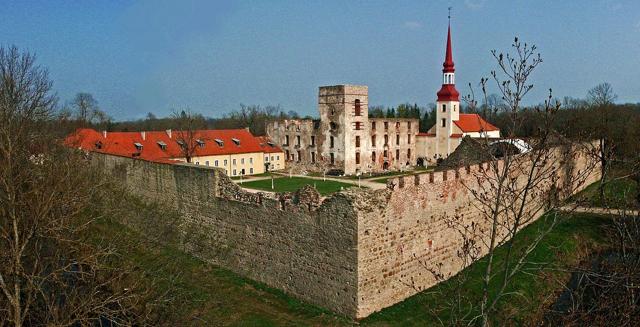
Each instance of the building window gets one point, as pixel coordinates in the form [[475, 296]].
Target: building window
[[299, 156], [250, 170], [397, 125], [206, 163], [266, 158], [357, 158], [215, 163], [197, 162], [331, 141], [358, 125], [408, 153], [386, 125], [234, 172], [286, 154], [454, 107], [373, 156], [242, 161], [444, 108], [234, 162], [386, 139], [277, 157], [286, 140], [313, 157], [444, 122], [357, 105], [385, 154], [397, 139], [313, 140], [397, 154], [272, 158], [225, 162], [357, 141], [333, 126], [251, 160], [409, 138], [373, 141], [332, 158], [409, 126], [373, 125], [298, 140]]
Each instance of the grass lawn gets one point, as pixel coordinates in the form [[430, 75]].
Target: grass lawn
[[617, 193], [286, 184]]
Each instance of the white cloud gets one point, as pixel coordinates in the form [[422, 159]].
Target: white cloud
[[474, 4], [412, 25]]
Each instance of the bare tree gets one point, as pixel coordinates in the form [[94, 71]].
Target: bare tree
[[188, 133], [50, 272], [514, 190]]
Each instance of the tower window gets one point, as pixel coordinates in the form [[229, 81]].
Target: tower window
[[444, 122], [373, 156], [332, 158], [331, 141], [373, 125], [397, 139], [444, 108], [286, 140], [357, 141], [408, 153], [313, 140], [298, 140], [357, 107], [409, 138], [386, 139], [454, 107], [397, 154], [386, 125], [409, 125], [358, 125], [397, 125], [357, 158], [373, 141]]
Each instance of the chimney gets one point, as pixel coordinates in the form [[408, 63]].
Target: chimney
[[169, 132], [104, 134], [144, 135]]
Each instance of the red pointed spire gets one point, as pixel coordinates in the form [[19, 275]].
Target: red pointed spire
[[448, 58]]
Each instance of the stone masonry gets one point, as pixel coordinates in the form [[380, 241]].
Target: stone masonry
[[345, 137], [354, 252]]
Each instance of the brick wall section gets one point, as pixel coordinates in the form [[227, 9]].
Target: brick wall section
[[404, 229], [293, 243]]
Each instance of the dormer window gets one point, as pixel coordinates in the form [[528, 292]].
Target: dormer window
[[236, 141], [138, 146], [181, 143], [162, 145], [219, 142], [98, 145], [200, 143], [271, 144]]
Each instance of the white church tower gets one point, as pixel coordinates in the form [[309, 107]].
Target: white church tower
[[448, 104]]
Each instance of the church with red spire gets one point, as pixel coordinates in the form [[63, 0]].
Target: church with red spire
[[451, 125]]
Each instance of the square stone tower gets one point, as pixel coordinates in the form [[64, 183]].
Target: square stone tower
[[344, 117]]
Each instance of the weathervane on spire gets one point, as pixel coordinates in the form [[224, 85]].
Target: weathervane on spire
[[450, 14]]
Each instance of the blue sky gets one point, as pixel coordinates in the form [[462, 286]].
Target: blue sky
[[156, 55]]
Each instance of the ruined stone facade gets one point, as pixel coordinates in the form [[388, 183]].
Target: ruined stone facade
[[354, 252], [345, 137]]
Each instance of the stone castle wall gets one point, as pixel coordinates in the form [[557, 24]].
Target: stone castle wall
[[294, 242], [355, 252], [414, 226]]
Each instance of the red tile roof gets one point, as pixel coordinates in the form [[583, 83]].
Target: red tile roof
[[267, 145], [160, 146], [469, 123]]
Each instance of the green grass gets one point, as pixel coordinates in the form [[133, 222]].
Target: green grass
[[286, 184], [563, 246], [620, 193]]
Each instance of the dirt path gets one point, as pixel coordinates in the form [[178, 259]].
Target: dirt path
[[599, 211]]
